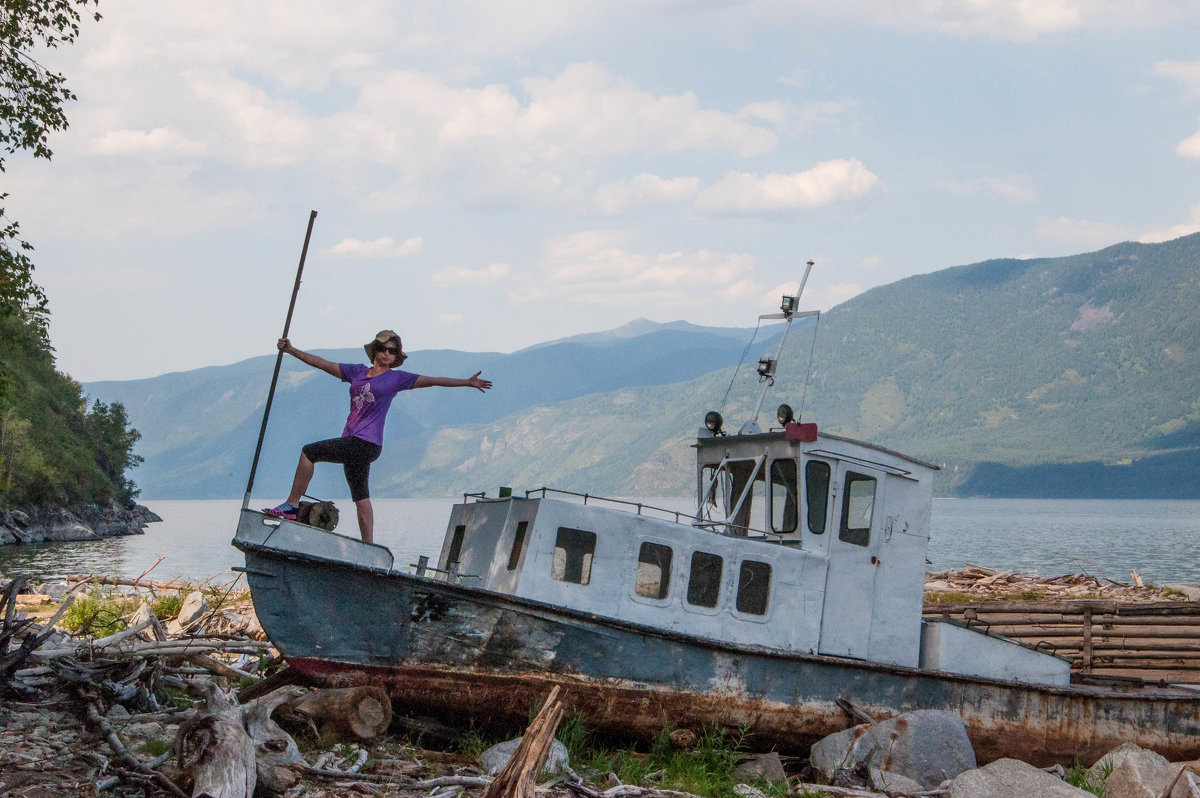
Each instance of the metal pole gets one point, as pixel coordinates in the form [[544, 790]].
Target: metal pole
[[788, 316], [312, 217]]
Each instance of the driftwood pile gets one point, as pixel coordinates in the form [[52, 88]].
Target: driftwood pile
[[977, 583], [151, 713]]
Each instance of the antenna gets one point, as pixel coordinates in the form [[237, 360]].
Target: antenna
[[767, 365]]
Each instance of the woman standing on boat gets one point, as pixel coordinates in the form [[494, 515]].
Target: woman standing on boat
[[371, 392]]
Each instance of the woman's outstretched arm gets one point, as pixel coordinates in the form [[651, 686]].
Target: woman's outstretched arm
[[452, 382], [285, 346]]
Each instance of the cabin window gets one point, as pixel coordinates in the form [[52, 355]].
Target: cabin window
[[816, 495], [731, 481], [452, 559], [858, 506], [653, 571], [704, 579], [754, 587], [514, 557], [573, 552], [783, 496]]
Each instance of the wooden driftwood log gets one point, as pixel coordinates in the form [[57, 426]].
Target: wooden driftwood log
[[347, 714], [276, 751], [215, 751], [516, 779]]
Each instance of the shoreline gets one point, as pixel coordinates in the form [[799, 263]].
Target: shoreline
[[62, 523]]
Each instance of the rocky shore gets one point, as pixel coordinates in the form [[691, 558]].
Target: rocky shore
[[59, 524]]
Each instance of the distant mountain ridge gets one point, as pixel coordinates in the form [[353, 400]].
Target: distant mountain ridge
[[1072, 376], [199, 427]]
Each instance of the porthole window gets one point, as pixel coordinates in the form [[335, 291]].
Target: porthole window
[[704, 579], [754, 587], [653, 571], [573, 552]]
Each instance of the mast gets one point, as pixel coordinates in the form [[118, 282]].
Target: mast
[[767, 365]]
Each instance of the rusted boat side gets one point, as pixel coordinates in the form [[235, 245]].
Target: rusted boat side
[[455, 650]]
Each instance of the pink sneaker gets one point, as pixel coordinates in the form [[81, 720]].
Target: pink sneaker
[[285, 511]]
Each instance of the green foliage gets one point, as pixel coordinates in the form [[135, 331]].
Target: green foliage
[[472, 743], [156, 747], [1077, 776], [167, 605], [574, 735], [98, 614], [53, 448], [706, 768], [31, 107]]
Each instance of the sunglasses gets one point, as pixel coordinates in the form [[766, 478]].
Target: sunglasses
[[391, 350]]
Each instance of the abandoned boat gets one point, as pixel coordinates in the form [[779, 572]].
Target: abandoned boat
[[789, 604]]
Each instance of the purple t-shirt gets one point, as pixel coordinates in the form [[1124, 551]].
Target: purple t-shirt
[[370, 398]]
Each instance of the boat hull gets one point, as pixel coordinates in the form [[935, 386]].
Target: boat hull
[[459, 652]]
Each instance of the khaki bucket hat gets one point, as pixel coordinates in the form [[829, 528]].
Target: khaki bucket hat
[[379, 341]]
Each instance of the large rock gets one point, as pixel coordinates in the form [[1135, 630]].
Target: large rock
[[760, 767], [193, 609], [1008, 778], [1134, 772], [883, 781], [495, 758], [927, 745]]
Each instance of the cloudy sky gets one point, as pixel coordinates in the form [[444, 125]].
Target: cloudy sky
[[489, 175]]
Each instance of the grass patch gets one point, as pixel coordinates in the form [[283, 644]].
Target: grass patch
[[707, 768], [950, 598], [472, 743], [1077, 776], [167, 605], [154, 748], [99, 614]]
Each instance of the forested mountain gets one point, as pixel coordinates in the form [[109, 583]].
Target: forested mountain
[[1070, 376]]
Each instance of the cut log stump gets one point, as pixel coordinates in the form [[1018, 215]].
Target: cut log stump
[[343, 714]]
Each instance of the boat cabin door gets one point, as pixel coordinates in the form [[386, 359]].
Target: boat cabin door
[[853, 545]]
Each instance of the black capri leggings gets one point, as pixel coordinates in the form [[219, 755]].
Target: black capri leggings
[[355, 455]]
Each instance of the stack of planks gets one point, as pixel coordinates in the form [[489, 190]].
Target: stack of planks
[[1154, 641]]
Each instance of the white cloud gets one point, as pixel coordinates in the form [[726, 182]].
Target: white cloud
[[1017, 188], [642, 191], [1189, 147], [458, 276], [385, 247], [1175, 231], [596, 268], [1009, 19], [160, 140], [1186, 72], [824, 184], [1081, 233], [873, 261]]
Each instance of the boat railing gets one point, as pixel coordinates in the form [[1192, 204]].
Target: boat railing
[[640, 508], [748, 532]]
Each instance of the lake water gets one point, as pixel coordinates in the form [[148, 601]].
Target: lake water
[[1160, 539]]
